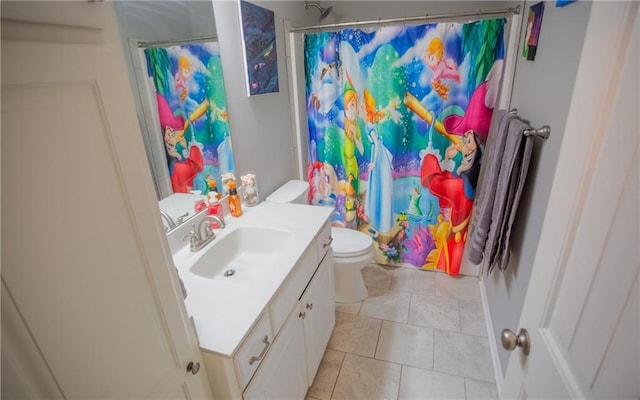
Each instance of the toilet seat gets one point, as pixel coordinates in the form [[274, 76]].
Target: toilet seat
[[350, 243]]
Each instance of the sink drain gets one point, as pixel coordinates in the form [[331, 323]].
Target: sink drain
[[229, 272]]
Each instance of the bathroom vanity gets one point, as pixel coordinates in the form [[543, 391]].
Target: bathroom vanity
[[262, 301]]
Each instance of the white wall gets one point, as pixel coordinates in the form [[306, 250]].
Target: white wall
[[261, 126], [541, 93]]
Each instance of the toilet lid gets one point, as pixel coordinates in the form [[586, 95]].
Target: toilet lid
[[289, 192], [349, 242]]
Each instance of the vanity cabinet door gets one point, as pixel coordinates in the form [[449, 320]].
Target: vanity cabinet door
[[282, 374], [318, 307]]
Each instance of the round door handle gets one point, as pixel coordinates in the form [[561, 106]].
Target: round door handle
[[510, 340], [193, 367]]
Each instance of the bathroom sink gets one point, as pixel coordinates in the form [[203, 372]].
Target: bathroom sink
[[245, 253]]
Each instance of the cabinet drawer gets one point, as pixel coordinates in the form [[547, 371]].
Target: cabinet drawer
[[253, 350], [323, 241]]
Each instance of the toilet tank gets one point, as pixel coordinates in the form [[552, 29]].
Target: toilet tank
[[291, 192]]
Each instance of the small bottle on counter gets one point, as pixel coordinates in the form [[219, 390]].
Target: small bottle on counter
[[235, 205], [212, 186], [249, 189], [199, 204], [215, 208]]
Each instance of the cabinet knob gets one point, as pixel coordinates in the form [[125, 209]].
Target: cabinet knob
[[309, 306], [302, 315], [193, 367]]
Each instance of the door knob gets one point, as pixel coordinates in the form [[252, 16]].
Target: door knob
[[193, 367], [510, 340]]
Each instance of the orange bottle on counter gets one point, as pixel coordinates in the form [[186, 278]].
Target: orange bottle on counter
[[235, 205]]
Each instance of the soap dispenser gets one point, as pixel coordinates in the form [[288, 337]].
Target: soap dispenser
[[235, 205], [215, 208]]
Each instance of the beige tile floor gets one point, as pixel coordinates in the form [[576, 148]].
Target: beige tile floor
[[419, 335]]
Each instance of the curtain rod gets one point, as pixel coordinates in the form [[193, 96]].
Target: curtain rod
[[160, 43], [423, 18]]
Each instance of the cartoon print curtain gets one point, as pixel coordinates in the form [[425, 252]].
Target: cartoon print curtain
[[398, 118], [192, 109]]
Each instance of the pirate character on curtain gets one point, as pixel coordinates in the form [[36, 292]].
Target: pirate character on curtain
[[455, 189]]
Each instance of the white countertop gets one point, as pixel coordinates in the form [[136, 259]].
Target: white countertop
[[224, 312]]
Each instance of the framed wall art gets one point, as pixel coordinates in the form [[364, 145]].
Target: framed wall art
[[259, 42]]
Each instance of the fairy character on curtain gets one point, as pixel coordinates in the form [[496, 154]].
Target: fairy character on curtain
[[379, 196], [353, 138], [414, 202], [443, 68], [455, 191], [182, 77], [225, 151], [378, 204]]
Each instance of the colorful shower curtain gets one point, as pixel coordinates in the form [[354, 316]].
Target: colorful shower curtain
[[192, 109], [398, 119]]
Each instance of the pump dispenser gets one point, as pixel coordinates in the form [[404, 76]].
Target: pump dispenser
[[215, 208], [199, 204], [235, 205]]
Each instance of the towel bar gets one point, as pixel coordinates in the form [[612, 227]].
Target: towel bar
[[543, 132]]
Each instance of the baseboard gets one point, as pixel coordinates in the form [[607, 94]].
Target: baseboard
[[493, 340]]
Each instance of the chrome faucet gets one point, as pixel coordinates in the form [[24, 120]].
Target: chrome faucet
[[203, 234], [171, 224], [180, 218]]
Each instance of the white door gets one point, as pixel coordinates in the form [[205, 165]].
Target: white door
[[91, 305], [582, 306]]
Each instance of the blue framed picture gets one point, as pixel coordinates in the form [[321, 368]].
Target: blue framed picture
[[259, 42], [562, 3]]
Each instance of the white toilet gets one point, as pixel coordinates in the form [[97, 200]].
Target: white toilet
[[352, 250]]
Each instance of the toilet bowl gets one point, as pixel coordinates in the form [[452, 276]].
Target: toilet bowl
[[352, 250]]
